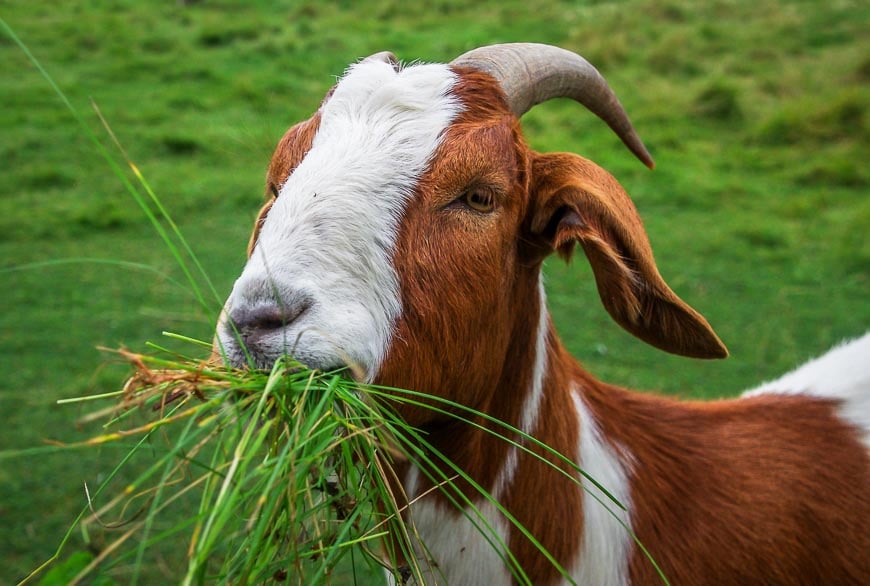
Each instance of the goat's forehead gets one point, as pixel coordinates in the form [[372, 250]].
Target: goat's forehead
[[375, 137], [377, 122]]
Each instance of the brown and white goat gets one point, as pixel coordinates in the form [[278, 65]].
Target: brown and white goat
[[405, 230]]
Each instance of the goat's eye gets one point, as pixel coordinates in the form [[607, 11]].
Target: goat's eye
[[480, 200]]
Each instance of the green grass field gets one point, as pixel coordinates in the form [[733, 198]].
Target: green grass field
[[755, 110]]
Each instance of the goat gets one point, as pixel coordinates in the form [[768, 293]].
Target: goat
[[404, 231]]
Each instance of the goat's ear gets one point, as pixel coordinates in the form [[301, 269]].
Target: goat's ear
[[575, 200]]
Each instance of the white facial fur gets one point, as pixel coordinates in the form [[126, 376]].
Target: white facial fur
[[328, 240]]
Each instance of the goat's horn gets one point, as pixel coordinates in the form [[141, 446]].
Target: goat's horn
[[531, 73], [384, 56]]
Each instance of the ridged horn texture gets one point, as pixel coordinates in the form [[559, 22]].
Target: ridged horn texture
[[531, 73]]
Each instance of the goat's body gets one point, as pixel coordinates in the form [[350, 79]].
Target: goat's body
[[406, 228], [766, 489]]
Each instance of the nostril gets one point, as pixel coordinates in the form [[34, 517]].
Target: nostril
[[270, 318], [269, 321], [262, 319]]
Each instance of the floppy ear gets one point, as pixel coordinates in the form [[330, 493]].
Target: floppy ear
[[575, 200]]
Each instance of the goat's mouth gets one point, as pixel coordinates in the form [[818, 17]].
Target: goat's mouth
[[244, 351]]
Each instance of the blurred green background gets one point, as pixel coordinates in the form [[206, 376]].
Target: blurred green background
[[755, 110]]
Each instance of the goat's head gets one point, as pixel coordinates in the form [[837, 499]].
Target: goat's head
[[407, 220]]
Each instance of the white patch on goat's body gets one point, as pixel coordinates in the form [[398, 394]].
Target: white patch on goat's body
[[532, 401], [460, 548], [330, 236], [843, 374], [607, 541]]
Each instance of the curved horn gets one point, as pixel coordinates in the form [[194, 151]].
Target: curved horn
[[531, 73]]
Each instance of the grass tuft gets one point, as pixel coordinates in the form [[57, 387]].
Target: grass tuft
[[719, 101], [292, 468], [807, 121]]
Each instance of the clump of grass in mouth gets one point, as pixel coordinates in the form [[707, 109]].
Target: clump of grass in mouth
[[293, 467]]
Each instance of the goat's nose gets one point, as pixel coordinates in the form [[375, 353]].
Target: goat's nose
[[252, 322]]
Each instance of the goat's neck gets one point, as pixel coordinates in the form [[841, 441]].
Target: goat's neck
[[535, 393], [531, 391]]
